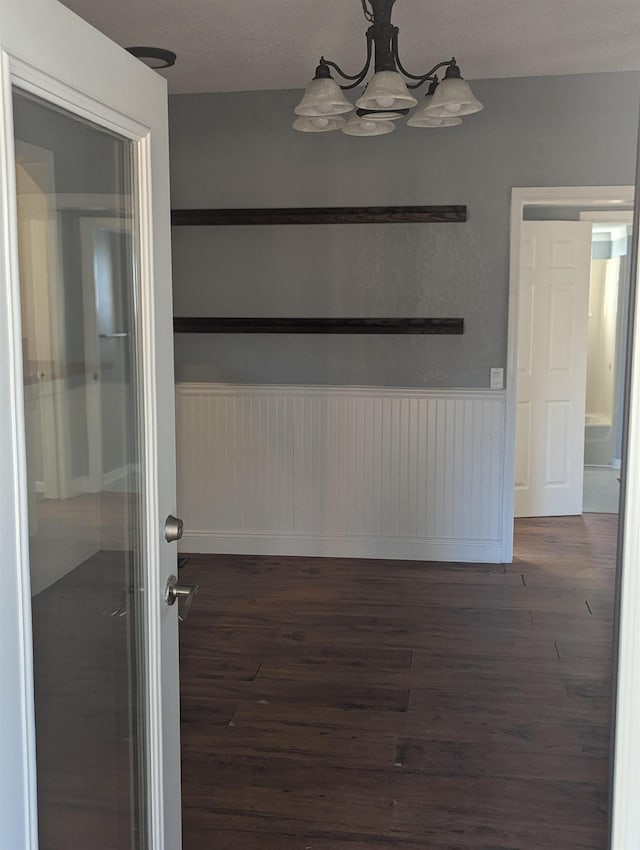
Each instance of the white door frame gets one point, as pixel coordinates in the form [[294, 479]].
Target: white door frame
[[560, 196], [62, 49], [624, 815]]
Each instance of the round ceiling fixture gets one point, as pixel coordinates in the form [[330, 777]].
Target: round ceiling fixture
[[154, 57]]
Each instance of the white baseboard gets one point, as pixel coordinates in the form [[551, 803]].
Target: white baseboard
[[402, 549]]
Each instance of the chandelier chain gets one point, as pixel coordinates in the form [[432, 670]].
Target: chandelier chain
[[368, 15]]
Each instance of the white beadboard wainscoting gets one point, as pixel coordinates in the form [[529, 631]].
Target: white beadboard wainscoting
[[367, 472]]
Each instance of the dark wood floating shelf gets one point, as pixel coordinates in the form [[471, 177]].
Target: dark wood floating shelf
[[322, 215], [203, 325]]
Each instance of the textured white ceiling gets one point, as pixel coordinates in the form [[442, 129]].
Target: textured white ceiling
[[238, 45]]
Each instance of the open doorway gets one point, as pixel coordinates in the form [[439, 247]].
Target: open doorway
[[574, 291], [587, 347], [607, 337]]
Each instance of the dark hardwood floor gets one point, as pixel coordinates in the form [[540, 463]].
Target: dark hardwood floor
[[335, 704]]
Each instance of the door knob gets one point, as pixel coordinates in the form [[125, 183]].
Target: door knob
[[174, 591], [173, 529]]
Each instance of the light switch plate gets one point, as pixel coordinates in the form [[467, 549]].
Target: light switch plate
[[497, 379]]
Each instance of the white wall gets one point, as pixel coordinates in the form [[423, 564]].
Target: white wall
[[601, 356], [340, 471]]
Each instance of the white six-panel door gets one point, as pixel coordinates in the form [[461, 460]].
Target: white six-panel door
[[552, 363]]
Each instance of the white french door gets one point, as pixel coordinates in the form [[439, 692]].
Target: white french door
[[89, 700]]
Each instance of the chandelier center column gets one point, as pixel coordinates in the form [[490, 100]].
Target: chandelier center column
[[382, 32]]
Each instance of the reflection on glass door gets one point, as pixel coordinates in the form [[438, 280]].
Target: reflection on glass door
[[77, 272]]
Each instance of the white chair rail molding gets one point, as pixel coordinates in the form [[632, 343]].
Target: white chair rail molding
[[341, 471]]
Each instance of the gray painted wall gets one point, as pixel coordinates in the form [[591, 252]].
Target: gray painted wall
[[238, 150], [606, 250]]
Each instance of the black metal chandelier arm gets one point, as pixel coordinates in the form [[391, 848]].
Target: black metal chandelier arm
[[357, 78], [357, 82], [422, 81], [422, 78], [429, 76]]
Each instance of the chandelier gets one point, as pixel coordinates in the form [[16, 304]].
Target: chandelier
[[387, 96]]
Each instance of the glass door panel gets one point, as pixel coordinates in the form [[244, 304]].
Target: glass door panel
[[78, 273]]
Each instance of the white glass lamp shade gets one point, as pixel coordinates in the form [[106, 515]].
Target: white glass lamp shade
[[453, 98], [382, 116], [387, 91], [318, 123], [433, 122], [364, 126], [423, 118], [323, 96]]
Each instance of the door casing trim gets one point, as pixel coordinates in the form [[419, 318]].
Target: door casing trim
[[562, 196]]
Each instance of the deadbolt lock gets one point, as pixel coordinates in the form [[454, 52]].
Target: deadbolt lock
[[173, 528]]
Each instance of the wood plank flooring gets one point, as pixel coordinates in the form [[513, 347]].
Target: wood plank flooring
[[333, 704]]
